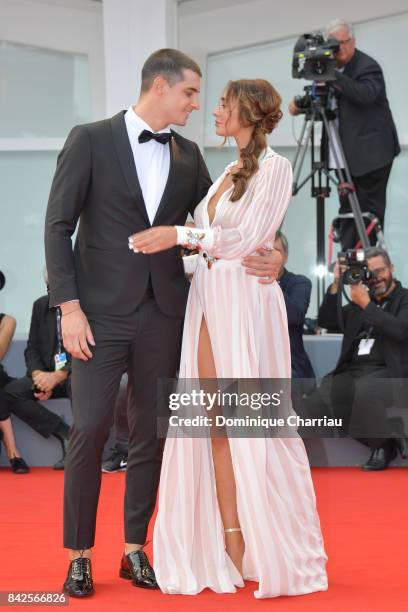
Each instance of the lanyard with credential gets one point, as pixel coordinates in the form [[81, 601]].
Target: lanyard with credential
[[60, 357]]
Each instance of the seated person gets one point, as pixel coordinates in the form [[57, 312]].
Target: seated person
[[374, 351], [18, 465], [42, 381], [296, 290]]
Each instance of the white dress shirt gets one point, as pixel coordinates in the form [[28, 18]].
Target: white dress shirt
[[152, 161]]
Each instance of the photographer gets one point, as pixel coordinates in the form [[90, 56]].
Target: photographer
[[366, 128], [374, 349]]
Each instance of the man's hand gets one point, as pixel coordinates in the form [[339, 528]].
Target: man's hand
[[43, 396], [153, 240], [359, 295], [47, 381], [266, 265], [293, 109], [338, 270], [76, 332]]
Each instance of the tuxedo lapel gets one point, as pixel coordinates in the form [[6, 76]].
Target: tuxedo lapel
[[174, 171], [127, 162]]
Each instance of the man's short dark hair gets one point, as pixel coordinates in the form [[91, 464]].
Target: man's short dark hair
[[378, 252], [284, 241], [168, 63]]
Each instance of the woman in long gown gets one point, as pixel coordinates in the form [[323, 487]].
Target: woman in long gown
[[232, 509]]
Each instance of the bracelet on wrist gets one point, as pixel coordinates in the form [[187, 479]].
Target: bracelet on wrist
[[194, 238]]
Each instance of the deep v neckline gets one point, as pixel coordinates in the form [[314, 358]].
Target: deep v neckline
[[222, 178]]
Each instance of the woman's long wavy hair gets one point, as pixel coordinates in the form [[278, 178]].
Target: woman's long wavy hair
[[258, 105]]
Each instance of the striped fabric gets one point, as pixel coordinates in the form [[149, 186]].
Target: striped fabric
[[247, 324]]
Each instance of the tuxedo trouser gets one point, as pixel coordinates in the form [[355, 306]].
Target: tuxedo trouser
[[371, 192], [147, 344]]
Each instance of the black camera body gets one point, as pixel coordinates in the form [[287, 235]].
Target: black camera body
[[357, 268], [316, 96], [314, 58]]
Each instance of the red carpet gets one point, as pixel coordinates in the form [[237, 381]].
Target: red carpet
[[364, 519]]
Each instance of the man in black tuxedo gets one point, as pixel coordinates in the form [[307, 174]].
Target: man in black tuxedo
[[366, 128], [122, 310]]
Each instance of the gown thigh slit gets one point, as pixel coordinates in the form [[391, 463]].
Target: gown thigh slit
[[221, 452], [275, 500]]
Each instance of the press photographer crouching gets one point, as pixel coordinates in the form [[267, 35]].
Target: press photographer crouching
[[369, 378]]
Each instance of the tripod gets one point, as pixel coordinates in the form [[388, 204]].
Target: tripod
[[321, 175]]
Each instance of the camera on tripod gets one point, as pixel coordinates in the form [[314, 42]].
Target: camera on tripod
[[314, 58], [356, 267]]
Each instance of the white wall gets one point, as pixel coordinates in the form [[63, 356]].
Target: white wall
[[26, 168], [65, 25], [131, 34], [203, 32]]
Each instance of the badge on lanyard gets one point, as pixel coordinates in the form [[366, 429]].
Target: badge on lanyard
[[60, 361], [60, 358], [365, 346]]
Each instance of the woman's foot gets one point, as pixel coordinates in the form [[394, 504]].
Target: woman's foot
[[235, 546]]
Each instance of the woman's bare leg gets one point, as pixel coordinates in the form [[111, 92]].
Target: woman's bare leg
[[9, 439], [224, 474]]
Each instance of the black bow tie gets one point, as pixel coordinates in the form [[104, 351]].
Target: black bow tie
[[146, 135]]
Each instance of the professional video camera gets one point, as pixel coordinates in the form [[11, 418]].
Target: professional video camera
[[313, 58], [316, 96], [356, 267]]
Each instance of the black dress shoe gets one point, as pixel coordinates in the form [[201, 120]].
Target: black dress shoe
[[402, 445], [79, 579], [19, 466], [136, 567], [380, 459]]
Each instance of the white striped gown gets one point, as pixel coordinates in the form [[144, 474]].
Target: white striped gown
[[247, 324]]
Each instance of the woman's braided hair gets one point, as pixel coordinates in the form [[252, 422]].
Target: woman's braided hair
[[258, 105]]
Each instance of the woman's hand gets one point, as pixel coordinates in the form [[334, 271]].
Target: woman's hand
[[153, 240]]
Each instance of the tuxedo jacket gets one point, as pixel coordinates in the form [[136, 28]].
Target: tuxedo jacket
[[96, 183], [366, 126], [296, 290], [390, 324], [42, 340]]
